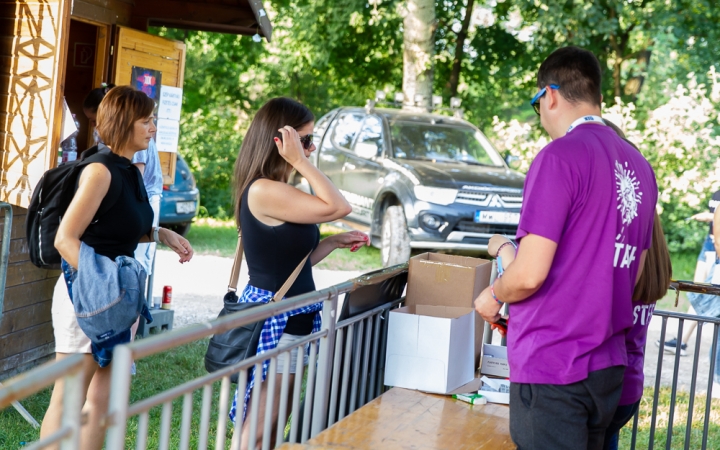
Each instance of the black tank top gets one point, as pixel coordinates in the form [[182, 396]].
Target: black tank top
[[117, 231], [273, 252]]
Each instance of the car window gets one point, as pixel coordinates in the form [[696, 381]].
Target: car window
[[320, 128], [442, 143], [370, 141], [346, 128]]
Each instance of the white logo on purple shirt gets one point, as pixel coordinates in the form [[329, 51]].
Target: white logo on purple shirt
[[629, 195]]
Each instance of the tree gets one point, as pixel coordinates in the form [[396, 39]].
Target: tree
[[418, 48]]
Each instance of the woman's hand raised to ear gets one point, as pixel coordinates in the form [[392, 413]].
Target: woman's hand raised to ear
[[290, 147]]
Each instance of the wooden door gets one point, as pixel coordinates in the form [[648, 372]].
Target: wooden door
[[135, 48], [33, 35]]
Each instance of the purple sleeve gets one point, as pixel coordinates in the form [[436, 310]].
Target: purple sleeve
[[547, 198]]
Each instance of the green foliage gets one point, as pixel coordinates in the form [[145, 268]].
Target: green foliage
[[330, 54]]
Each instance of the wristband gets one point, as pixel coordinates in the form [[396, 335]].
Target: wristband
[[156, 235], [503, 245], [492, 292]]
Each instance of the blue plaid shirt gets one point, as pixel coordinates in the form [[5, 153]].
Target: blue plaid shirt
[[269, 337]]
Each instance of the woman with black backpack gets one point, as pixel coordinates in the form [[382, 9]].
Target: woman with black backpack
[[113, 185]]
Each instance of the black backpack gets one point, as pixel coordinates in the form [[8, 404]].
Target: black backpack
[[50, 200]]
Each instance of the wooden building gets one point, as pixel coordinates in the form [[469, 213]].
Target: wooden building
[[52, 50]]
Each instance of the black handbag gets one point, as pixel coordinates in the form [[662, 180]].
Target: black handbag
[[237, 344]]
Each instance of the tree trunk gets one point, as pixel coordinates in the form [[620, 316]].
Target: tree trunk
[[454, 80], [418, 48]]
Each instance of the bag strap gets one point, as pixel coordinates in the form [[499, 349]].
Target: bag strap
[[235, 273]]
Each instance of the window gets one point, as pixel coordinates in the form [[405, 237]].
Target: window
[[346, 127], [370, 142], [442, 143]]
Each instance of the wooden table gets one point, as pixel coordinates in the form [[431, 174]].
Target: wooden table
[[405, 419]]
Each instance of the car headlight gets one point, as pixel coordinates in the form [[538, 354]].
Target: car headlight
[[440, 196]]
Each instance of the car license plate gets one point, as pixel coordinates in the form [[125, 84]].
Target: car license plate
[[184, 207], [510, 218]]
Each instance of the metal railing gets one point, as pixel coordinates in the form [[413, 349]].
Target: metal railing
[[345, 371], [70, 370]]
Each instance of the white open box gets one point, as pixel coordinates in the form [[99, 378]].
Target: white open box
[[498, 385], [495, 361], [430, 348]]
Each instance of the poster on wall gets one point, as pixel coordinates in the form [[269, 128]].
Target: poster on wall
[[147, 81], [170, 104], [167, 136]]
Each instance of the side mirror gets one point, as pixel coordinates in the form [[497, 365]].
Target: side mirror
[[366, 150], [512, 161]]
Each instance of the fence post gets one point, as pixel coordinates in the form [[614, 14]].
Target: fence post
[[72, 407], [119, 398], [325, 364]]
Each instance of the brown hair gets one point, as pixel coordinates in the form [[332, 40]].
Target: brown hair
[[117, 114], [657, 271], [577, 71], [259, 157]]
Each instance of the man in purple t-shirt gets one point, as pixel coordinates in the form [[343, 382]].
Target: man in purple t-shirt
[[585, 226]]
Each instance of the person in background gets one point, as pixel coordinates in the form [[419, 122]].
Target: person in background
[[147, 161], [585, 227], [90, 107], [703, 273], [279, 226]]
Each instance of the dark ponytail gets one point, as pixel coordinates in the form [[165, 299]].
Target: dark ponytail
[[93, 99]]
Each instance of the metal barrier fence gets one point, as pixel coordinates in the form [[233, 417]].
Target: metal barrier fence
[[345, 371], [70, 371]]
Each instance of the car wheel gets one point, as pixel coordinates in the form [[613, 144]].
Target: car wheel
[[181, 229], [395, 247]]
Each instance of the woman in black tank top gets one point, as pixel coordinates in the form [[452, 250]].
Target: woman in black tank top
[[280, 227], [113, 184]]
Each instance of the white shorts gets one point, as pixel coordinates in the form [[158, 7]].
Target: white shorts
[[289, 339], [69, 337]]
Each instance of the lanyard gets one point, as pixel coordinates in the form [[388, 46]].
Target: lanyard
[[586, 119]]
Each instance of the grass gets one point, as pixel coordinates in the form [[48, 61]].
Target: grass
[[155, 374], [679, 422], [160, 372], [214, 237]]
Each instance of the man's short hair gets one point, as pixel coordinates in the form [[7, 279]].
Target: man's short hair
[[117, 114], [577, 71]]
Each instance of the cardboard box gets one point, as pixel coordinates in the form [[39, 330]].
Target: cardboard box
[[495, 361], [495, 390], [434, 342], [449, 280], [428, 348]]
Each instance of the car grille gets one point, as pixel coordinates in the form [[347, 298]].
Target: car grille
[[468, 226], [495, 197]]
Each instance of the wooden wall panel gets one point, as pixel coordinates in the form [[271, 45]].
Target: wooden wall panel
[[33, 64], [136, 48], [26, 337]]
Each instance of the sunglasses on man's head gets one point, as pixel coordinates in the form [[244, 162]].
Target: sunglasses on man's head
[[535, 102]]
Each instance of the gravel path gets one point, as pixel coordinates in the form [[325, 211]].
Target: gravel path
[[199, 286]]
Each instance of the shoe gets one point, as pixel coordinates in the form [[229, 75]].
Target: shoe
[[671, 346]]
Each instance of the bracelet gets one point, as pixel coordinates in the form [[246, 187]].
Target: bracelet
[[156, 235], [492, 292], [503, 245]]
